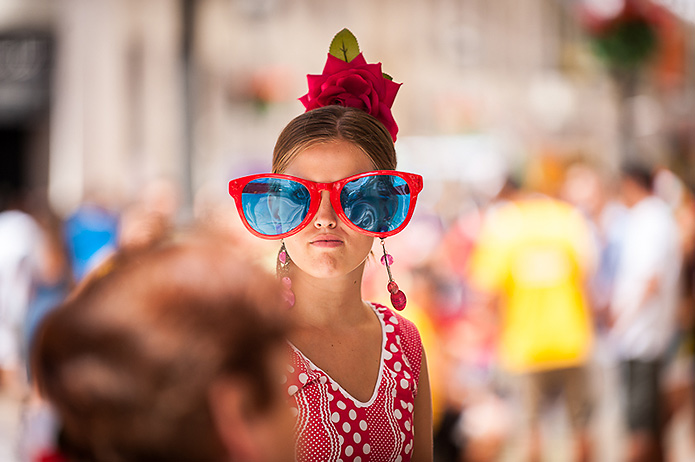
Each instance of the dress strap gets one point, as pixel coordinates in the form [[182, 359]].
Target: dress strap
[[408, 336]]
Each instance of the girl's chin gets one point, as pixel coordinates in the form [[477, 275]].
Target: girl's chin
[[328, 268]]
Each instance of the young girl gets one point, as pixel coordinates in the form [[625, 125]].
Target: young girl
[[358, 375]]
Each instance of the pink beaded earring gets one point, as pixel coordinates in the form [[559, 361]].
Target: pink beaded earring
[[398, 299], [282, 267]]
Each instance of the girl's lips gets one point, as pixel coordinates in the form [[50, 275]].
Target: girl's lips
[[326, 242]]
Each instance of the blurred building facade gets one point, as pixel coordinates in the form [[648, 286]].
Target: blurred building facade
[[128, 91]]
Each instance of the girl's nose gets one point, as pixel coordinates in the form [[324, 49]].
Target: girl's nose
[[325, 216]]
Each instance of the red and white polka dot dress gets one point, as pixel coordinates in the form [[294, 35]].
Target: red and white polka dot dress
[[333, 426]]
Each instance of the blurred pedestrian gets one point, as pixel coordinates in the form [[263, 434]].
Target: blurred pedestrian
[[53, 280], [589, 188], [678, 374], [20, 259], [644, 307], [172, 353], [51, 285], [533, 258], [91, 234]]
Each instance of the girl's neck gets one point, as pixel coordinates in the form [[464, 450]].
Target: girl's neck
[[327, 301]]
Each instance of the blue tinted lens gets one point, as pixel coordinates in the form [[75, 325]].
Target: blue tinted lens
[[274, 206], [376, 203]]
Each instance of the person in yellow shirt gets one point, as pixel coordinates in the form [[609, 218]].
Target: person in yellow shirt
[[532, 258]]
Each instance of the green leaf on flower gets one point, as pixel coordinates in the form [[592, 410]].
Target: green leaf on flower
[[344, 46], [386, 76]]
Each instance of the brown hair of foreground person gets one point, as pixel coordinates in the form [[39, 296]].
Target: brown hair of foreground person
[[168, 354]]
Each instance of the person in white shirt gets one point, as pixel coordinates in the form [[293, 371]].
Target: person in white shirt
[[20, 240], [644, 307]]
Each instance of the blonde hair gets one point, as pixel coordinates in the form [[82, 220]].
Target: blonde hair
[[334, 123]]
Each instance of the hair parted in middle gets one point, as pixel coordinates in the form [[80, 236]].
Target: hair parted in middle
[[335, 123]]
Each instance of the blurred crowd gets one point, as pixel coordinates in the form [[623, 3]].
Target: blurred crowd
[[562, 310], [563, 293]]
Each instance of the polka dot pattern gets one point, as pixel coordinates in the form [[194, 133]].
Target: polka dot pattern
[[331, 425]]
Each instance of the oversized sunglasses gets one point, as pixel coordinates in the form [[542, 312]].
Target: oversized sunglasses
[[378, 203]]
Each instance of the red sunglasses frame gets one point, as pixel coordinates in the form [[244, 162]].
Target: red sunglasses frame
[[413, 180]]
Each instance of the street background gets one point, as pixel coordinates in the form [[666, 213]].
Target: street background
[[126, 119]]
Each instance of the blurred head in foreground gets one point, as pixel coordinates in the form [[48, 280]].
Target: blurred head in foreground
[[168, 354]]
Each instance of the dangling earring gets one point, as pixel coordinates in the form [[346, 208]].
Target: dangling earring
[[398, 299], [283, 268]]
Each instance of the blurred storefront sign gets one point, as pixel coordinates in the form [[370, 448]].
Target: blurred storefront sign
[[24, 76]]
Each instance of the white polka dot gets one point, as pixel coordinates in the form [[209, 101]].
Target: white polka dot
[[357, 437], [404, 404], [407, 425], [349, 451], [352, 414], [290, 368], [388, 355], [323, 380], [335, 417], [407, 375], [358, 459], [366, 448], [346, 427], [408, 447], [398, 414], [303, 377], [393, 319], [341, 405], [363, 426], [389, 328], [393, 392], [398, 338], [397, 366], [410, 407], [341, 440], [393, 347], [292, 389], [399, 459], [334, 387], [402, 436], [330, 397], [404, 384]]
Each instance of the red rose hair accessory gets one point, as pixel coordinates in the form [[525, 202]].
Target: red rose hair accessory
[[347, 80]]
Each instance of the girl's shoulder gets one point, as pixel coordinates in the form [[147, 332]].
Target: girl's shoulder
[[405, 333], [404, 325]]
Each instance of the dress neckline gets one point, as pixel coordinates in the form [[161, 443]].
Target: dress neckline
[[377, 385]]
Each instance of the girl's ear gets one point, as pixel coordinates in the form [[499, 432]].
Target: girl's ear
[[228, 398]]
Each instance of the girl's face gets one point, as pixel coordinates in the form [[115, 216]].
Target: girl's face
[[328, 247]]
